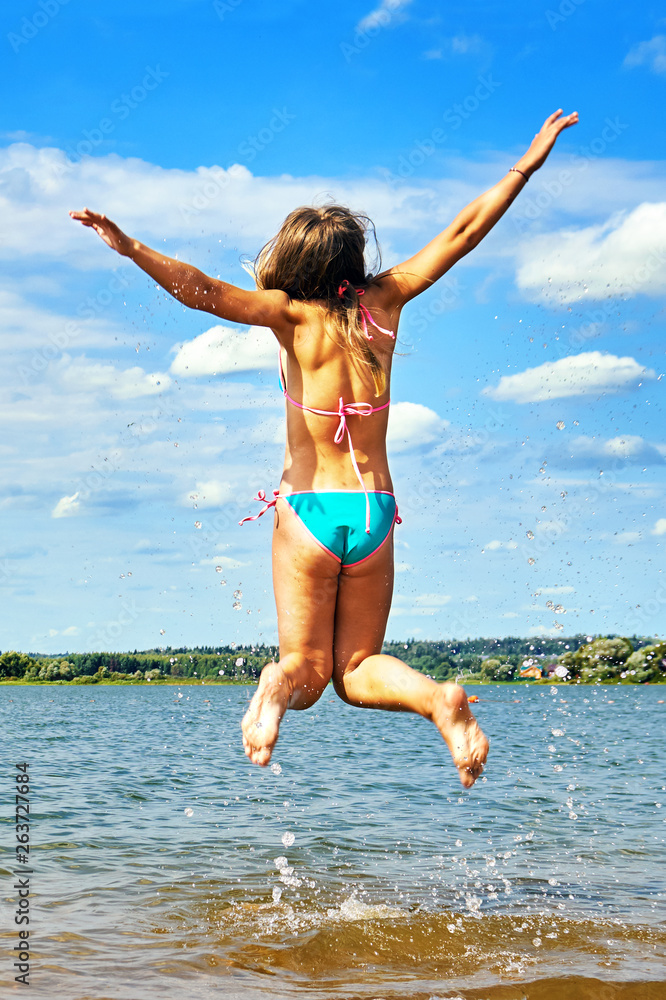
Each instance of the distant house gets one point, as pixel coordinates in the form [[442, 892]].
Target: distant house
[[532, 671]]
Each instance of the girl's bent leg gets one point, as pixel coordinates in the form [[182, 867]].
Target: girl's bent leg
[[369, 679], [305, 581]]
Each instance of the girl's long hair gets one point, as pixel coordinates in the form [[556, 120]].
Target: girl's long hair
[[313, 254]]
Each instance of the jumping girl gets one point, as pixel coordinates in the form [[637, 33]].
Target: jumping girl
[[335, 509]]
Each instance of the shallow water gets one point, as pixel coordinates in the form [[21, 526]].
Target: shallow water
[[545, 881]]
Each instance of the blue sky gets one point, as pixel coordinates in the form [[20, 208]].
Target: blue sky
[[527, 435]]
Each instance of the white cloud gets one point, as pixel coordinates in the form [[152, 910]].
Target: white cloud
[[432, 600], [411, 425], [70, 630], [67, 506], [84, 375], [555, 590], [510, 614], [151, 202], [382, 15], [660, 527], [630, 447], [495, 545], [624, 255], [222, 350], [226, 562], [588, 374], [651, 53], [420, 605], [209, 493], [627, 537]]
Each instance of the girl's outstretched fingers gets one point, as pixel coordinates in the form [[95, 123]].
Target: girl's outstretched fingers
[[112, 235]]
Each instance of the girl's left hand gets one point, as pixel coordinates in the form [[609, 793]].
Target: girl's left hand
[[545, 138], [109, 231]]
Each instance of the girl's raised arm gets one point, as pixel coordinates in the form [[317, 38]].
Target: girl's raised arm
[[189, 285], [474, 222]]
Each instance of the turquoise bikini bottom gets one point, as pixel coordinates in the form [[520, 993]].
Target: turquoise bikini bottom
[[336, 519]]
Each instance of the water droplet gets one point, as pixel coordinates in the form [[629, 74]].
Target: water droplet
[[238, 594], [531, 561], [288, 838], [281, 862], [197, 524], [559, 610], [218, 569], [188, 811], [557, 732], [276, 769], [277, 893], [237, 606], [560, 425], [536, 942], [221, 673], [162, 631], [530, 535]]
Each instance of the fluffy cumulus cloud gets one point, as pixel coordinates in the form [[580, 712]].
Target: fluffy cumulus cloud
[[626, 447], [588, 374], [625, 255], [128, 383], [38, 187], [209, 493], [412, 425], [651, 53], [660, 527], [67, 506], [222, 350]]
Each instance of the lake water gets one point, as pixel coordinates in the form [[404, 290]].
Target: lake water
[[167, 866]]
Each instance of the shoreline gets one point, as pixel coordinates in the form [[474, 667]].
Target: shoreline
[[91, 681]]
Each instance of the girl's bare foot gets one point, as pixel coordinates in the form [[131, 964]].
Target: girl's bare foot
[[469, 747], [261, 722]]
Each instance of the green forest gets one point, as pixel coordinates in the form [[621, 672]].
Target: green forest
[[580, 659]]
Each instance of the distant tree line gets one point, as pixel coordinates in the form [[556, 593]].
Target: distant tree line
[[604, 659]]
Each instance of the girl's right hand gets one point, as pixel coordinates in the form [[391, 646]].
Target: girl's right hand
[[109, 231], [545, 138]]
